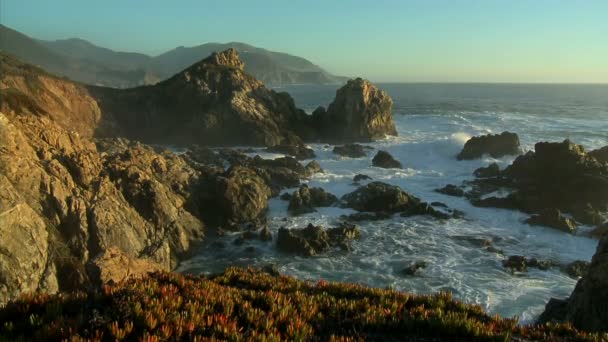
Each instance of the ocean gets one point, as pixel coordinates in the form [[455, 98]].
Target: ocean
[[434, 121]]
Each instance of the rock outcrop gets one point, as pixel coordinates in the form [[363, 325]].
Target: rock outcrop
[[360, 112], [496, 145], [384, 198], [351, 150], [554, 219], [556, 176], [305, 199], [213, 102], [587, 306], [314, 240], [64, 201], [385, 160]]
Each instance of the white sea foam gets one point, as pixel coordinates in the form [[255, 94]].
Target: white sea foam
[[427, 145]]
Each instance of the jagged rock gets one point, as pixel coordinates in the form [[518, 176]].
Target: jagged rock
[[554, 219], [384, 159], [587, 306], [312, 168], [451, 190], [385, 198], [413, 268], [497, 145], [351, 150], [360, 112], [577, 269], [114, 266], [314, 240], [78, 202], [300, 152], [305, 199], [601, 154], [213, 102], [361, 177], [492, 170]]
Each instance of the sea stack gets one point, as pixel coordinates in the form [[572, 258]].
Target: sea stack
[[360, 112]]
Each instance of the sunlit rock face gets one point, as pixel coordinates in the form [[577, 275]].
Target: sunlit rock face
[[360, 112]]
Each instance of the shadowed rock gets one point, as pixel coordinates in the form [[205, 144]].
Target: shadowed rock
[[497, 146], [385, 160], [305, 199], [554, 219], [314, 240], [351, 150]]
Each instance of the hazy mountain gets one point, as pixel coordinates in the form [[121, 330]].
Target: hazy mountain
[[274, 68], [78, 60], [85, 62]]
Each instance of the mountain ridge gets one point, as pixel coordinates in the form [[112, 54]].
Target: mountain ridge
[[86, 62]]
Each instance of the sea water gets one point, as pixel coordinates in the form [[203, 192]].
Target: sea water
[[434, 121]]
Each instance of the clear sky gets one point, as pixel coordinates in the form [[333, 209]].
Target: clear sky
[[383, 40]]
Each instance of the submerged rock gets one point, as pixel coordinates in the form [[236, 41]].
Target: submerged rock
[[314, 240], [384, 160], [360, 112], [497, 146], [520, 263], [361, 177], [554, 219], [413, 268], [305, 199], [351, 150]]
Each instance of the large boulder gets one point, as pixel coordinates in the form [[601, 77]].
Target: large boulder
[[587, 306], [496, 145], [360, 112], [114, 266], [298, 151], [385, 160], [242, 196], [305, 199]]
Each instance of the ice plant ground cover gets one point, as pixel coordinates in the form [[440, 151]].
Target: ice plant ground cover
[[247, 304]]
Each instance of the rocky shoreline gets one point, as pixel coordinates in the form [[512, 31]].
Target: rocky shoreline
[[84, 203]]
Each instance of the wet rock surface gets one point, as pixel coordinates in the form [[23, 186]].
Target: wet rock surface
[[451, 190], [305, 199], [314, 240], [385, 160], [553, 218], [380, 197], [492, 170], [351, 150], [496, 146]]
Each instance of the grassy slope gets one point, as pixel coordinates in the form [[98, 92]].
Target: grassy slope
[[251, 305]]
